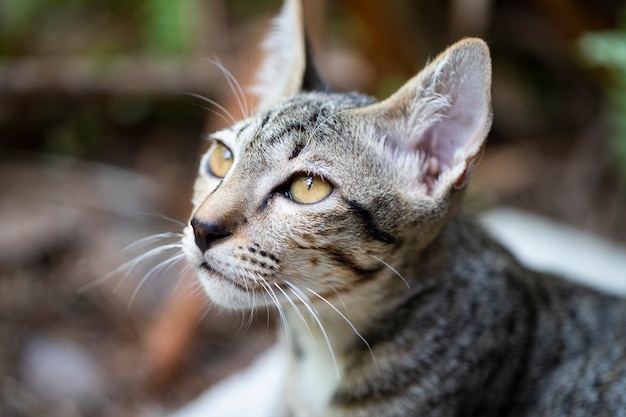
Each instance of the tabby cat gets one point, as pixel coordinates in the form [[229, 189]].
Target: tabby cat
[[340, 212]]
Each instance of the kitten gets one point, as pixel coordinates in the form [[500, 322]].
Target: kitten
[[340, 211]]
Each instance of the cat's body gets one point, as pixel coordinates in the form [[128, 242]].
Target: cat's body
[[491, 339], [340, 210]]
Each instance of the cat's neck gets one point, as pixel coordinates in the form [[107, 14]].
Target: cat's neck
[[326, 338], [340, 321], [332, 320]]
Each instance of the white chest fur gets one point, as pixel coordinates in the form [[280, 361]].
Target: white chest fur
[[313, 377]]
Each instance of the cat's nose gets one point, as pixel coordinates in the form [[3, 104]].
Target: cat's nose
[[208, 233]]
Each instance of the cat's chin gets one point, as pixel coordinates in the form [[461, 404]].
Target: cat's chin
[[228, 293], [214, 275]]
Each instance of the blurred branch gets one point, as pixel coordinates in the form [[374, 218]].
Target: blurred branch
[[77, 75], [573, 18], [160, 76]]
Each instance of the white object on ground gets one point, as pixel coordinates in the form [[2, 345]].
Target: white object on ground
[[550, 246], [252, 392]]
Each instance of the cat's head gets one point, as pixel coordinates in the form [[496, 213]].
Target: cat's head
[[318, 193]]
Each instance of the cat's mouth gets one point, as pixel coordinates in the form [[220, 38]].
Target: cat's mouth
[[249, 286], [213, 273]]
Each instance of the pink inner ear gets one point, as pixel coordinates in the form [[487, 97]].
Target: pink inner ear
[[452, 138], [437, 122], [439, 145]]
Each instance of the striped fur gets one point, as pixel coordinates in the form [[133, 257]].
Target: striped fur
[[391, 306]]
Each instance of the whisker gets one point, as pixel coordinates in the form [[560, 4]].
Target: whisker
[[225, 115], [295, 307], [207, 306], [156, 215], [245, 324], [218, 114], [234, 86], [133, 263], [196, 290], [146, 239], [320, 124], [170, 219], [281, 311], [315, 317], [164, 265], [339, 297], [393, 270], [129, 266], [186, 270], [354, 329], [250, 320]]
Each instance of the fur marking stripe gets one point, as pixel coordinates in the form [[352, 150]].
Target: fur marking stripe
[[296, 151], [341, 257], [369, 223], [264, 121]]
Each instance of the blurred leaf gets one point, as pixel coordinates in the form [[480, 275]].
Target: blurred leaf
[[17, 14], [170, 26], [608, 50], [605, 49]]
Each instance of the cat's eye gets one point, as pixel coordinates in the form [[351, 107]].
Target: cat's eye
[[309, 189], [220, 160]]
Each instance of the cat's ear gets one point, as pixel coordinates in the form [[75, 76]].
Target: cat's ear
[[436, 124], [287, 67]]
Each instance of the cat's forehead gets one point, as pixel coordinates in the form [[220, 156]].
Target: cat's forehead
[[312, 104], [303, 117]]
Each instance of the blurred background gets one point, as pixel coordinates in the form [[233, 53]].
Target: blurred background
[[102, 124]]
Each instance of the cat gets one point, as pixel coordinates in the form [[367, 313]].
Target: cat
[[340, 211]]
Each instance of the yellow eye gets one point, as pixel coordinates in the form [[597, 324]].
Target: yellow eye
[[220, 160], [309, 189]]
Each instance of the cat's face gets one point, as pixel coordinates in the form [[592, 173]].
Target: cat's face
[[319, 195], [300, 200]]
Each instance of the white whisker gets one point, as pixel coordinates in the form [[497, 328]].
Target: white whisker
[[246, 323], [146, 239], [281, 312], [157, 216], [316, 318], [339, 297], [393, 270], [186, 270], [163, 265], [129, 266], [354, 329], [235, 88], [320, 124], [224, 114], [252, 311], [295, 307]]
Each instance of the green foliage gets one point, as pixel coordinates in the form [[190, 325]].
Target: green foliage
[[93, 28], [608, 50], [17, 14], [169, 26]]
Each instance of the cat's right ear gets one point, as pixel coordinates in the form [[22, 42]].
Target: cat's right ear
[[287, 66]]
